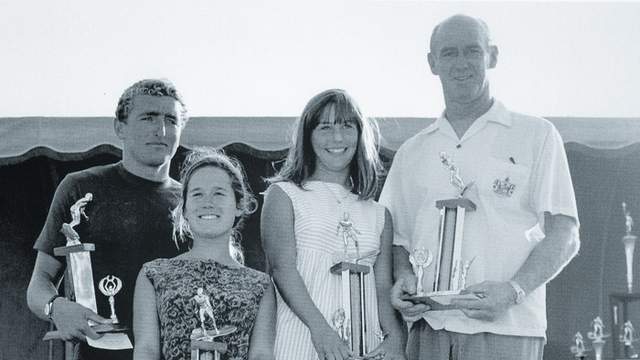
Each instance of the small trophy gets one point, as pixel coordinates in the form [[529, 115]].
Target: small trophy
[[109, 286], [629, 241], [203, 343], [597, 337], [420, 259], [578, 350], [628, 337], [350, 321], [78, 281], [451, 269]]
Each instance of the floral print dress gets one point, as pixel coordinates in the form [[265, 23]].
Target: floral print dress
[[234, 292]]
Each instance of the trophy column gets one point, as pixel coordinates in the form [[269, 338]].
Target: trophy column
[[78, 279], [350, 320], [450, 271], [79, 287]]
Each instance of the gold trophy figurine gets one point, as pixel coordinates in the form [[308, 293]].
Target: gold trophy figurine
[[597, 337], [109, 286], [204, 344], [578, 350], [420, 258], [628, 337]]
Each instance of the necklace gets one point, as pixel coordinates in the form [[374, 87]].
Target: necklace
[[338, 199], [345, 229]]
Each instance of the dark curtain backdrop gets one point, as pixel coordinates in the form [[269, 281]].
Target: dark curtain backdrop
[[602, 180]]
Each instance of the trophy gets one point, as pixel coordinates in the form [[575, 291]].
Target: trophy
[[597, 337], [203, 343], [109, 286], [578, 350], [78, 281], [350, 321], [629, 246], [419, 259], [450, 269], [628, 337]]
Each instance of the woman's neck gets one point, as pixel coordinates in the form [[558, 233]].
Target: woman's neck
[[211, 248], [336, 178]]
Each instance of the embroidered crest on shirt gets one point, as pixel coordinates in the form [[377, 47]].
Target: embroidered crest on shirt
[[504, 187]]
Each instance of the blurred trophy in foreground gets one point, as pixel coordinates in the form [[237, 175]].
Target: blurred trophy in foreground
[[203, 342], [578, 350], [597, 337], [450, 268], [78, 282], [350, 320], [629, 246], [628, 337]]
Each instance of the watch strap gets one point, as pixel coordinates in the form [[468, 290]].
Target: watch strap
[[48, 307], [520, 294]]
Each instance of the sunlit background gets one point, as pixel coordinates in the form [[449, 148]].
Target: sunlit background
[[267, 58]]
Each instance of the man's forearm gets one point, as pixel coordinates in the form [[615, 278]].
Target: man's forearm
[[550, 256], [401, 264]]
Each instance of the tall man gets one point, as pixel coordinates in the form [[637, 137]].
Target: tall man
[[128, 218], [524, 230]]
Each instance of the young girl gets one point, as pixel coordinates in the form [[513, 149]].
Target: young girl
[[206, 288], [318, 207]]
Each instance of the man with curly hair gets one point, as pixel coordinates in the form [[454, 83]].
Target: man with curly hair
[[127, 218]]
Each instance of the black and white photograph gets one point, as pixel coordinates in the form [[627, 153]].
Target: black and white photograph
[[320, 180]]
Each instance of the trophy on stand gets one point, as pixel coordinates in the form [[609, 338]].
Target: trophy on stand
[[78, 281], [629, 246], [109, 286], [450, 268], [350, 320], [628, 337], [597, 337], [578, 350], [203, 343]]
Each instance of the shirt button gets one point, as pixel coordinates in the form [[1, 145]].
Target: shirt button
[[458, 146]]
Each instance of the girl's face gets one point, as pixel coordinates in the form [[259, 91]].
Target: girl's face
[[334, 145], [210, 203]]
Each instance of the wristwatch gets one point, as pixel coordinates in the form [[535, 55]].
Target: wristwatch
[[520, 294], [48, 307]]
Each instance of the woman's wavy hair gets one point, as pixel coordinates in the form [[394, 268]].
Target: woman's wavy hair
[[245, 201], [365, 168]]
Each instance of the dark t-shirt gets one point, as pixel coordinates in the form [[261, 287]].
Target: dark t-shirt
[[128, 221]]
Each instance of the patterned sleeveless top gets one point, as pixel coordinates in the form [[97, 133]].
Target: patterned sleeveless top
[[235, 294]]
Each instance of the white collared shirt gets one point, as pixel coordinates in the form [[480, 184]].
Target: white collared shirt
[[503, 146]]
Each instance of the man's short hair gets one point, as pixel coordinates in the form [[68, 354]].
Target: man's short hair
[[152, 87]]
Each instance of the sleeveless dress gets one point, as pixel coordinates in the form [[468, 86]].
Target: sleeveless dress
[[317, 212], [235, 294]]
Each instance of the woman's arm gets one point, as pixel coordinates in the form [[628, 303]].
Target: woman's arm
[[264, 331], [391, 324], [146, 327], [277, 229]]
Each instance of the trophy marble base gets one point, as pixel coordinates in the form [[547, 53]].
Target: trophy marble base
[[204, 346], [441, 300], [100, 329]]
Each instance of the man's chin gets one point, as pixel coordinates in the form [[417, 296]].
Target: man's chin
[[157, 161]]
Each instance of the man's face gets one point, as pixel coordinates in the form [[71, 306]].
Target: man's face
[[152, 131], [461, 56]]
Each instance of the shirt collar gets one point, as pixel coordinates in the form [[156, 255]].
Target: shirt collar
[[497, 113]]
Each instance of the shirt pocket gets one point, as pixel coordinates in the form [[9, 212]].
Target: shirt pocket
[[504, 186]]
